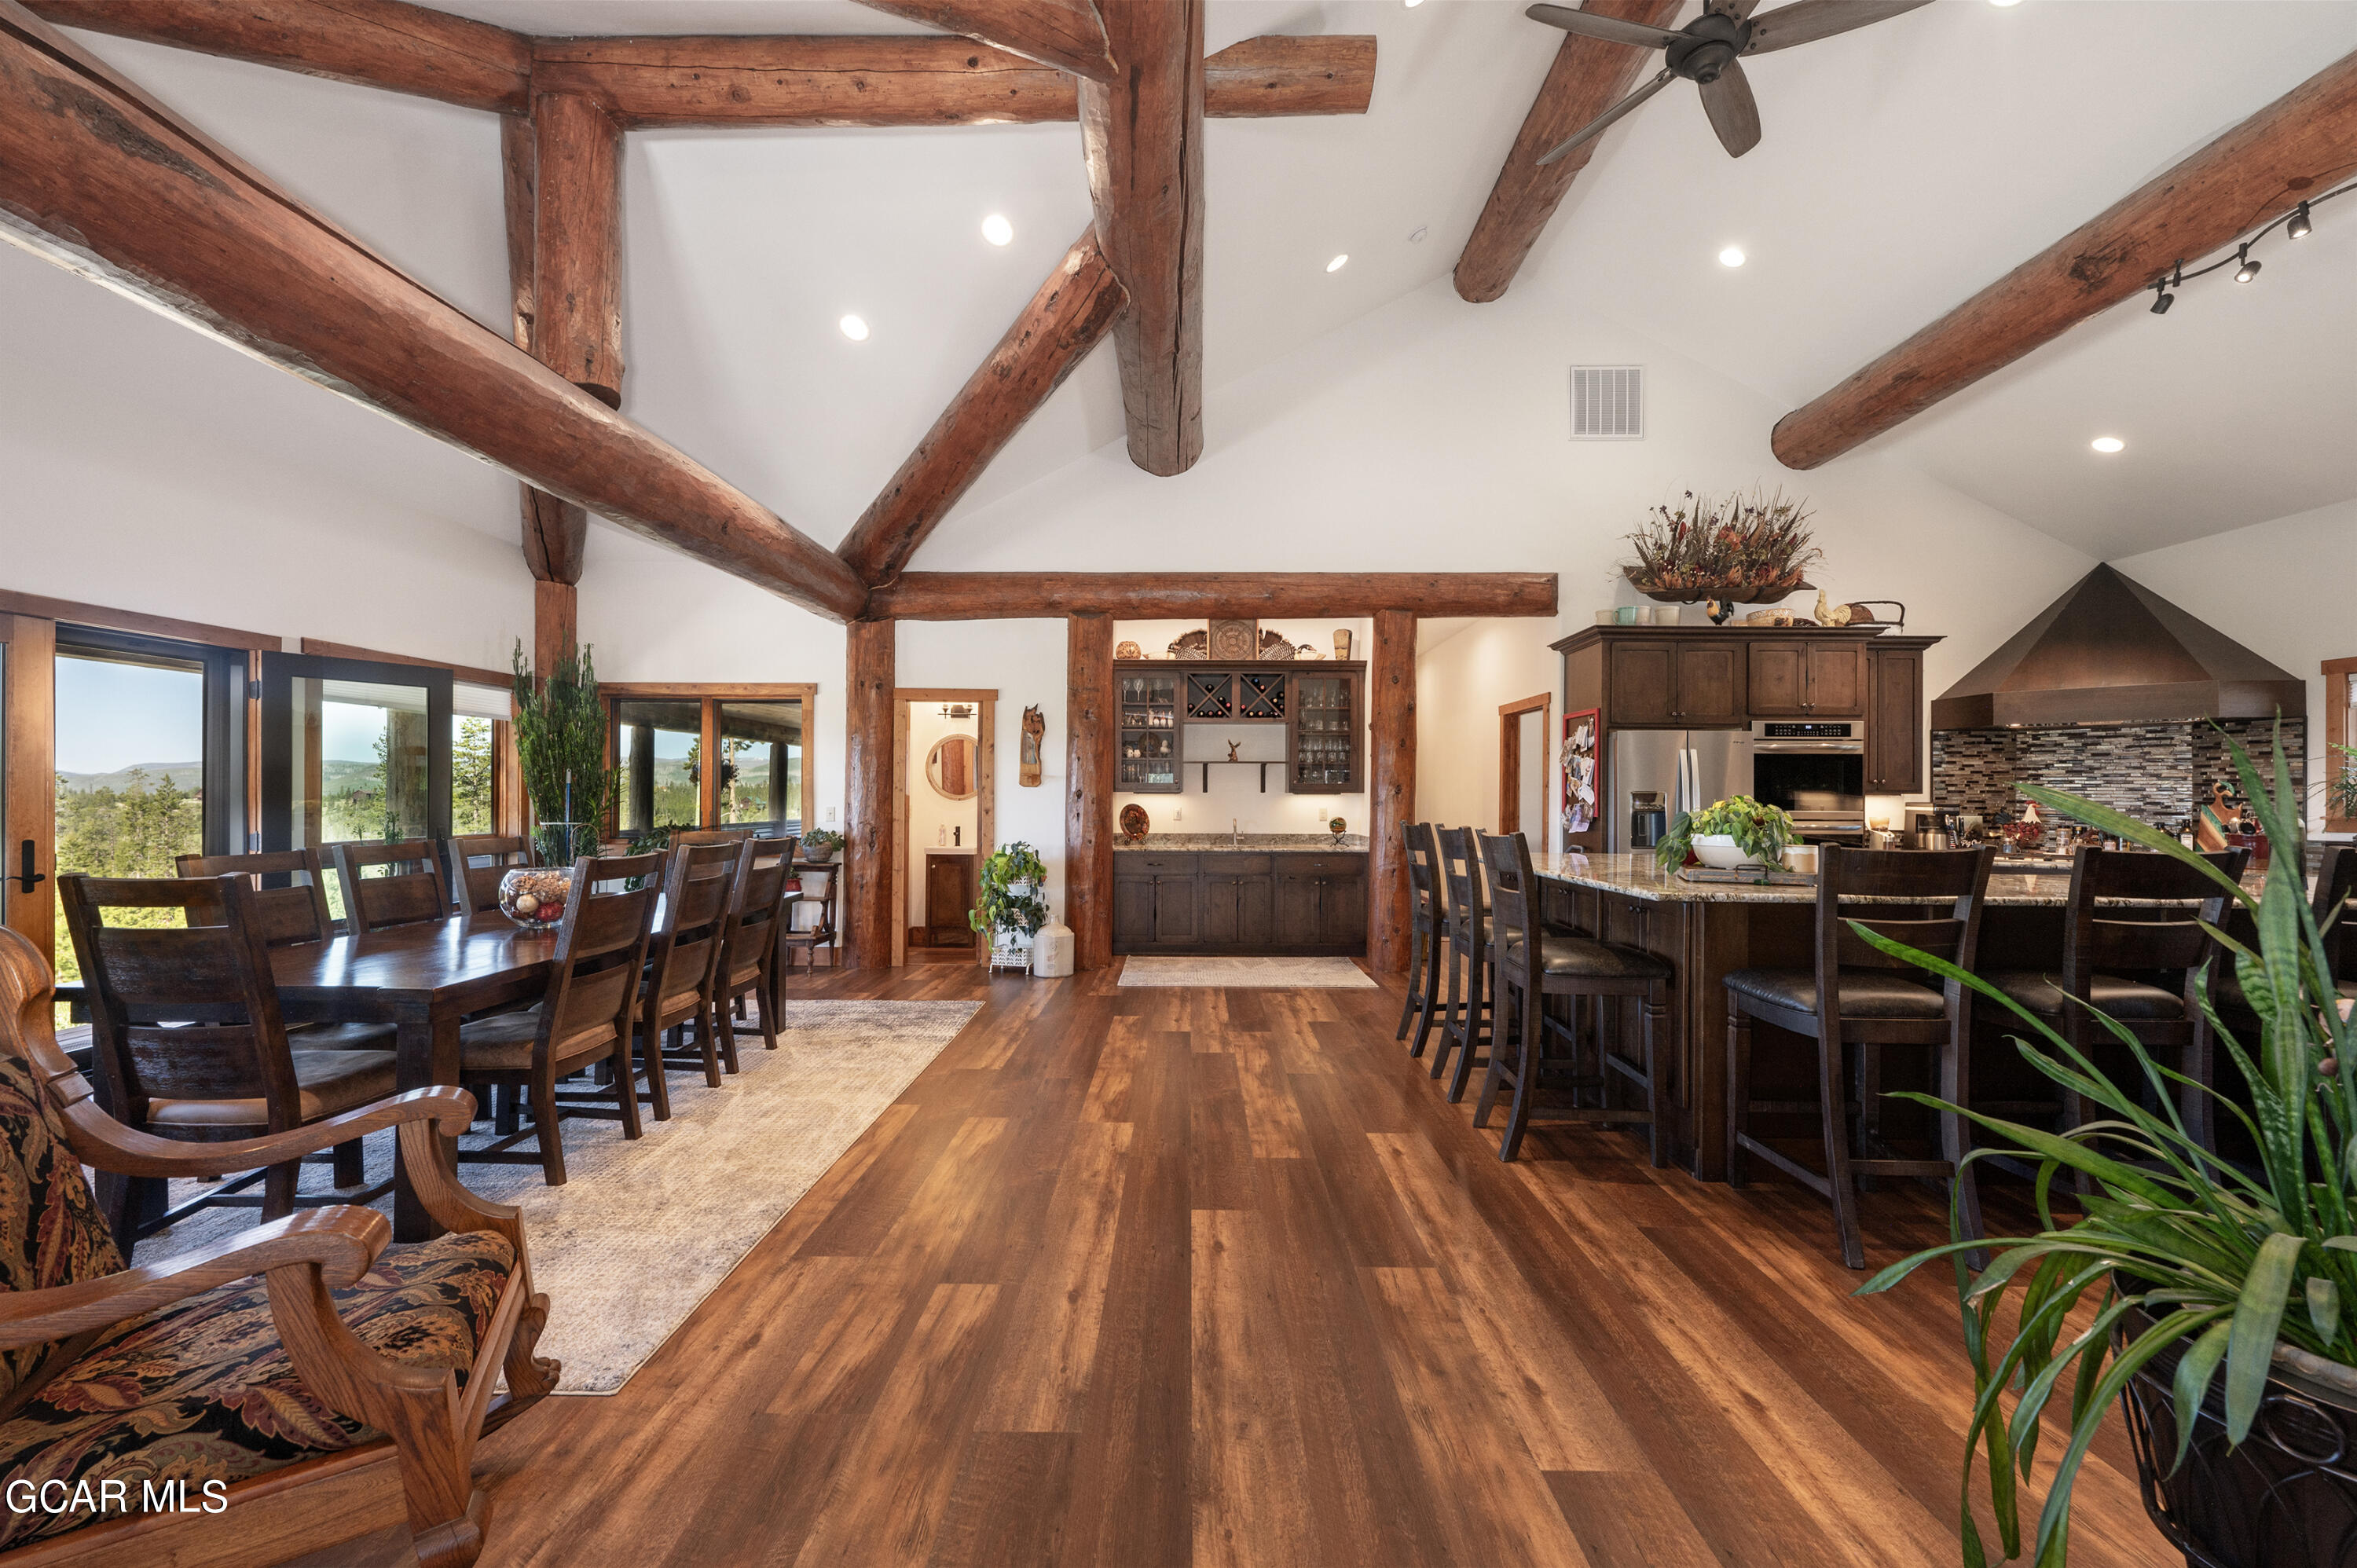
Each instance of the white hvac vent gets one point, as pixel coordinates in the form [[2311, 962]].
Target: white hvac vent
[[1607, 403]]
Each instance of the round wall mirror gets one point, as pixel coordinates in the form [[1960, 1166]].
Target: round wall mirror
[[949, 766]]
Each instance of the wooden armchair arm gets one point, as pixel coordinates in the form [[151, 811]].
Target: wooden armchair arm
[[100, 1141], [344, 1241]]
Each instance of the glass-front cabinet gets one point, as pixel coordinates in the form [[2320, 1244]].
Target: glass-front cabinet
[[1149, 732], [1325, 721]]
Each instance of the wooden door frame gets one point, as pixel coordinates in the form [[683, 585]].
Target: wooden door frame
[[986, 782], [28, 706], [1509, 759], [2338, 673]]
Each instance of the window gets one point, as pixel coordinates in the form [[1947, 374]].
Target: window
[[662, 737], [354, 750]]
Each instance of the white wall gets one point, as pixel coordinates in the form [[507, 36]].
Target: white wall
[[2285, 589], [931, 814], [1460, 684]]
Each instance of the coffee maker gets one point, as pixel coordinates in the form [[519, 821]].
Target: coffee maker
[[1649, 819]]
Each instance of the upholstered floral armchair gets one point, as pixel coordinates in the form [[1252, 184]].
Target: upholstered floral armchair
[[295, 1385]]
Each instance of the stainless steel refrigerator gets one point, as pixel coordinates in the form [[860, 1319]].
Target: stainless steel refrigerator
[[1688, 768]]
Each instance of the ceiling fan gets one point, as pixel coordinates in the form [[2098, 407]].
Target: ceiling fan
[[1708, 52]]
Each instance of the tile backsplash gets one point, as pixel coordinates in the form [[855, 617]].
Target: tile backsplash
[[2156, 772]]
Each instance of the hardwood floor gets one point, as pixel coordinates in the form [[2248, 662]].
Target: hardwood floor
[[1163, 1277]]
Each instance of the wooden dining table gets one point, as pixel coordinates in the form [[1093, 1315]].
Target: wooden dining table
[[421, 979]]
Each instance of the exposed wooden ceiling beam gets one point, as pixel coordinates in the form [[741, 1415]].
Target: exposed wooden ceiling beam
[[94, 178], [1071, 312], [1588, 76], [1172, 595], [555, 532], [376, 43], [577, 243], [1142, 136], [1066, 34], [748, 81], [2296, 147]]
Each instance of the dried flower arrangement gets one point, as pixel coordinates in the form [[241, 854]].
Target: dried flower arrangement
[[1745, 549]]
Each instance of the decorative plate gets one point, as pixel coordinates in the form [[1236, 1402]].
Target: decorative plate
[[1133, 822]]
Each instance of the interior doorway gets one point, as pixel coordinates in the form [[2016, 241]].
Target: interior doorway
[[1523, 767], [943, 813]]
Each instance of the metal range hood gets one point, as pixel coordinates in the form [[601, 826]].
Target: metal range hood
[[2110, 651]]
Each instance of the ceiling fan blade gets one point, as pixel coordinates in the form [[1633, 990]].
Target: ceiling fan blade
[[1596, 24], [1597, 126], [1734, 114], [1809, 20]]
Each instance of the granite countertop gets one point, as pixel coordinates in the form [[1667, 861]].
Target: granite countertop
[[1636, 877], [1251, 844]]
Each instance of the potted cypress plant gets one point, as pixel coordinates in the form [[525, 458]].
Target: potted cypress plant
[[560, 733], [2208, 1298]]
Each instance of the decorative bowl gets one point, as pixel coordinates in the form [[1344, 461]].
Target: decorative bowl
[[534, 897], [1134, 823], [1717, 851]]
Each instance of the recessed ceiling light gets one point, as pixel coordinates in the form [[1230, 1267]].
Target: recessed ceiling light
[[1731, 257], [1411, 5], [997, 230], [1338, 264], [854, 328], [2002, 4], [2108, 443]]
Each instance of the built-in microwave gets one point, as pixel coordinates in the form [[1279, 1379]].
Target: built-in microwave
[[1814, 771]]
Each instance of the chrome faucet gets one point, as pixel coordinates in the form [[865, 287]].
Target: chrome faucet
[[1235, 836]]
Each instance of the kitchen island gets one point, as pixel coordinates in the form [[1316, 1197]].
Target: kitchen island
[[1291, 893], [1705, 929]]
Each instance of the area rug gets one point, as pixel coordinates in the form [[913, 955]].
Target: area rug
[[1260, 974], [693, 1195]]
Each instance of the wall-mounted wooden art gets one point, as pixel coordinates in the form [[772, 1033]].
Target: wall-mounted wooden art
[[1034, 727]]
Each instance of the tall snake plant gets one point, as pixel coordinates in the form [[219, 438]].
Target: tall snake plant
[[2222, 1264]]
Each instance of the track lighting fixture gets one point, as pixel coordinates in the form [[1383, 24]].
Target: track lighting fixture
[[2249, 269], [2300, 227], [2161, 298], [2297, 224]]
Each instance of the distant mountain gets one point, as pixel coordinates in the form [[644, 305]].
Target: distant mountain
[[186, 774]]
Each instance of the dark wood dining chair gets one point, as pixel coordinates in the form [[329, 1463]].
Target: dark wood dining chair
[[1574, 967], [698, 886], [1467, 1011], [583, 1024], [190, 1040], [477, 887], [1856, 999], [1426, 935], [712, 836], [294, 912], [2141, 964], [411, 890], [749, 958]]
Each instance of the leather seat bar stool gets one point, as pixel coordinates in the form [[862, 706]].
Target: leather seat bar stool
[[2133, 948], [1557, 964], [189, 1042], [1425, 935], [1859, 998], [1467, 1013], [294, 912], [2336, 885]]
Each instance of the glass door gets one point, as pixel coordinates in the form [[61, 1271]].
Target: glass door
[[1325, 735], [1149, 734], [28, 777], [352, 750], [761, 782]]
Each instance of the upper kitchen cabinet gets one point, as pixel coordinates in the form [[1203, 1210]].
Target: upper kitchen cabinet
[[1807, 679], [1674, 682], [1894, 715], [1324, 723], [1149, 732]]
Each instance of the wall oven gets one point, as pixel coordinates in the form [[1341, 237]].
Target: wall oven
[[1816, 771]]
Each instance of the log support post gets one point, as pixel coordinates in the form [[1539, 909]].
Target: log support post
[[871, 676], [1088, 720], [1391, 787]]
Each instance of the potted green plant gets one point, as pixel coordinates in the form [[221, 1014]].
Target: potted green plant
[[1011, 902], [821, 845], [1733, 833], [560, 734], [2196, 1292]]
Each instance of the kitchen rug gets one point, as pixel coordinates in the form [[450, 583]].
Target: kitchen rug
[[699, 1189], [1256, 974]]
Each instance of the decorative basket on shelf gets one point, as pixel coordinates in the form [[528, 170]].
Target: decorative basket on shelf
[[1742, 550]]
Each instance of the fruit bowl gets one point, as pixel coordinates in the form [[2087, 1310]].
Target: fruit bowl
[[534, 897]]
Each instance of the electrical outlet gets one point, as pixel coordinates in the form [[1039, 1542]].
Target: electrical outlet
[[830, 816], [1178, 814]]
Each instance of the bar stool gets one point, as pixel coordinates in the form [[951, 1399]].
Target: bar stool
[[1856, 996], [1425, 935], [1529, 972], [2336, 885], [2141, 966], [1465, 1014]]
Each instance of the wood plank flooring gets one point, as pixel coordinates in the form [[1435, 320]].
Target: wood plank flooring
[[1202, 1277]]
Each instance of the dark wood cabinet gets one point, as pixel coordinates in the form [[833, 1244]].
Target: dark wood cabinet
[[949, 895], [1325, 726], [1710, 691], [1894, 718], [1675, 683], [1295, 904], [1806, 679], [1641, 681]]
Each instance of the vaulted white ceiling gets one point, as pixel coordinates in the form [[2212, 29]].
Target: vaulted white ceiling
[[1903, 168]]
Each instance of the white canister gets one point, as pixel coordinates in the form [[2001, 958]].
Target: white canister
[[1051, 952], [1801, 858]]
